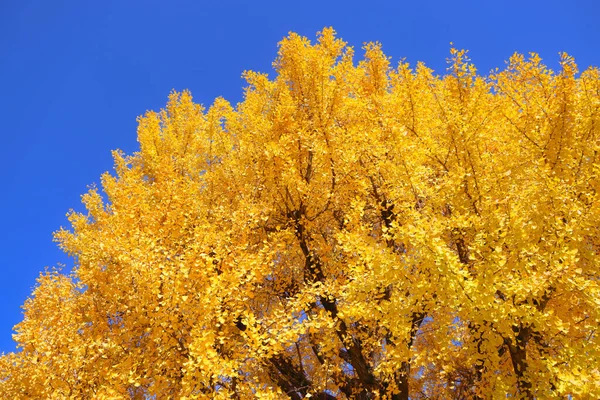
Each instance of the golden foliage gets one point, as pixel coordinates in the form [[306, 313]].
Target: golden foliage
[[347, 231]]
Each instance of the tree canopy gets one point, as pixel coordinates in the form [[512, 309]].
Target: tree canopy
[[350, 230]]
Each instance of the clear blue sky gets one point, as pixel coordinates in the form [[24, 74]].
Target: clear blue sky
[[74, 75]]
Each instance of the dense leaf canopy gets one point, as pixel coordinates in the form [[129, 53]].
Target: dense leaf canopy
[[349, 230]]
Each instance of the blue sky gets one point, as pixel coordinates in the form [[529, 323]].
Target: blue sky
[[74, 75]]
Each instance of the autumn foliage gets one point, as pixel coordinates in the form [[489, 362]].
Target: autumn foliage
[[348, 231]]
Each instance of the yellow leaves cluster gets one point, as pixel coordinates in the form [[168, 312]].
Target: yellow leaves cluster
[[347, 230]]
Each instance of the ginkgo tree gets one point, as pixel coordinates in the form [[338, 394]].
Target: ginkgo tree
[[350, 230]]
